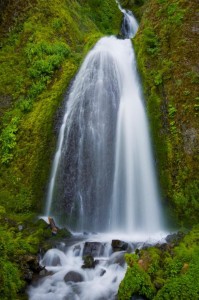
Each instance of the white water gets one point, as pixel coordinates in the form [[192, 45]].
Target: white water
[[103, 173], [103, 166], [135, 200], [100, 283]]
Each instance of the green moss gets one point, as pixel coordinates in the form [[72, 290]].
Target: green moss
[[42, 46], [39, 57], [166, 65], [136, 282], [166, 271]]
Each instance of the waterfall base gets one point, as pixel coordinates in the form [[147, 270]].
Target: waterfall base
[[68, 280]]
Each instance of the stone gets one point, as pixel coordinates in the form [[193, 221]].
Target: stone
[[102, 272], [93, 248], [73, 276], [76, 250], [89, 262], [138, 297], [117, 258], [27, 275], [175, 238], [118, 245], [33, 263]]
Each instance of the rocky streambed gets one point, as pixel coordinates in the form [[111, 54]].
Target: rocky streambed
[[90, 266]]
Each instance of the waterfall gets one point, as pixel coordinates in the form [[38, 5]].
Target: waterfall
[[103, 168], [102, 177]]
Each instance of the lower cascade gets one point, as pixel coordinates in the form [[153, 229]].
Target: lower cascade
[[103, 178]]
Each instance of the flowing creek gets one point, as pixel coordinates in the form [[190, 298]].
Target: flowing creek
[[103, 177]]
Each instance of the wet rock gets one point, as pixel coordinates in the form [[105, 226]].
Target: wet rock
[[117, 258], [45, 272], [146, 246], [89, 262], [102, 272], [175, 238], [138, 297], [77, 250], [63, 233], [97, 261], [118, 245], [28, 275], [30, 267], [73, 276], [33, 263], [93, 249], [164, 246]]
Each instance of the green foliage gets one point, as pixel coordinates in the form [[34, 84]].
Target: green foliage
[[167, 68], [185, 286], [172, 111], [8, 140], [40, 54], [186, 201], [175, 13], [136, 282], [150, 41], [173, 269], [10, 282], [12, 246]]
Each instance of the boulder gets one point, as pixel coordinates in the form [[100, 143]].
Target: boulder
[[118, 245], [33, 263], [93, 248], [76, 250], [102, 272], [175, 238], [89, 262], [117, 258], [138, 297], [73, 276]]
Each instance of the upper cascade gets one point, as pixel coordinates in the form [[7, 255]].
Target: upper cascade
[[129, 25]]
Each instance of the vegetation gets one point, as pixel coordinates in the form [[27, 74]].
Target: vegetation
[[41, 48], [168, 271], [42, 45], [167, 64]]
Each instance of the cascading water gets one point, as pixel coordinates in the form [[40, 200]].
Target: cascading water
[[84, 165], [103, 167], [103, 178]]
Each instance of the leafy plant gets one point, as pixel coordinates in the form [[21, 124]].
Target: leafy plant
[[8, 140]]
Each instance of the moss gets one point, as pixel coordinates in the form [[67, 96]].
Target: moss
[[136, 282], [39, 56], [42, 46], [166, 64], [168, 271]]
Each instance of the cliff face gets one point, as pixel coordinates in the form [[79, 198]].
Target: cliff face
[[42, 46], [167, 47]]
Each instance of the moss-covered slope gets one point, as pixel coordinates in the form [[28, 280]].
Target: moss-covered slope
[[42, 46], [167, 48], [167, 271]]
